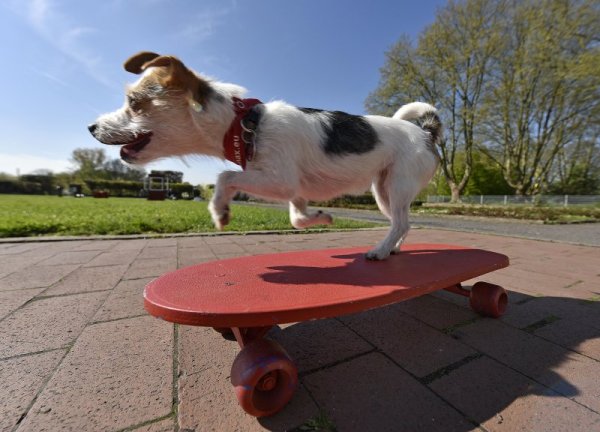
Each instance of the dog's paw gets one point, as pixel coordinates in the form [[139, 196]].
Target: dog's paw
[[377, 255], [220, 216], [324, 218]]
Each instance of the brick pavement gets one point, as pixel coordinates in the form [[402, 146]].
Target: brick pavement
[[79, 353]]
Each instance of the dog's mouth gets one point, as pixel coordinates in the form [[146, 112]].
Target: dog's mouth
[[130, 150]]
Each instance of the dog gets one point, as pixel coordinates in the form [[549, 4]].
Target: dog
[[288, 153]]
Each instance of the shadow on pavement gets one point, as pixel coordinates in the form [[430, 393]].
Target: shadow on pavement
[[396, 368]]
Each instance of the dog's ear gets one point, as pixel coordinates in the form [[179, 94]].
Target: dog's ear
[[139, 62], [180, 77], [175, 75]]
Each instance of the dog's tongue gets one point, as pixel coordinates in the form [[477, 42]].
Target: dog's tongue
[[127, 151], [133, 148]]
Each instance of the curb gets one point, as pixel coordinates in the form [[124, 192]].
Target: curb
[[41, 239]]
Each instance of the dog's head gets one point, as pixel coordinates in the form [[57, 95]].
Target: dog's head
[[161, 108]]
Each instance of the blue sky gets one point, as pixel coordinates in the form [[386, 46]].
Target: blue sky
[[62, 61]]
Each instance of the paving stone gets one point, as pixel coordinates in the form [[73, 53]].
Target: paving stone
[[118, 374], [227, 249], [18, 248], [532, 311], [218, 239], [97, 245], [574, 335], [14, 263], [47, 323], [193, 256], [36, 277], [163, 252], [86, 279], [314, 344], [370, 393], [191, 242], [167, 425], [130, 245], [436, 312], [153, 267], [12, 300], [126, 300], [79, 257], [113, 258], [207, 399], [501, 399], [566, 372], [544, 284], [259, 249], [22, 378], [415, 346], [162, 242]]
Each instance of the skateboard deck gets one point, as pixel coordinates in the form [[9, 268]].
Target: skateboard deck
[[245, 297], [297, 286]]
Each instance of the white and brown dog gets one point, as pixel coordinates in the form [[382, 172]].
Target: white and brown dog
[[288, 153]]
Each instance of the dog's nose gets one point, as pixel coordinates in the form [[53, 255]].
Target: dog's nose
[[92, 127]]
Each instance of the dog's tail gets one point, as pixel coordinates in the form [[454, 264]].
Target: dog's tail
[[425, 116]]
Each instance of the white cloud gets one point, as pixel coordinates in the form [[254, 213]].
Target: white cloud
[[51, 77], [25, 164], [203, 25], [55, 26]]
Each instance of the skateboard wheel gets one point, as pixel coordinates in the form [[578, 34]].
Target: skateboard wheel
[[264, 377], [488, 299]]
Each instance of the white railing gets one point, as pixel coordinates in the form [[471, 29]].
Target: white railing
[[556, 200]]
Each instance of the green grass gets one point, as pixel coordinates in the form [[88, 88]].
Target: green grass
[[29, 215]]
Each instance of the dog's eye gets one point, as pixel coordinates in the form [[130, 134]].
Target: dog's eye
[[134, 104]]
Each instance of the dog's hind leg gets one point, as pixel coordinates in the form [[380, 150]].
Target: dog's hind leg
[[400, 194], [301, 218], [380, 192], [255, 183]]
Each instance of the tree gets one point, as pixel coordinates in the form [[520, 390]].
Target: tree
[[89, 162], [92, 164], [448, 68], [115, 169], [172, 176], [546, 81], [577, 166]]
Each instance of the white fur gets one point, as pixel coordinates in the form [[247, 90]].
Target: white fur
[[413, 110], [290, 163]]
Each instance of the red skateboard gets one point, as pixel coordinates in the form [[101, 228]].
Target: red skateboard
[[245, 297]]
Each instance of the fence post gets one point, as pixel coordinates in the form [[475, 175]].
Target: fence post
[[566, 204], [505, 199], [481, 199]]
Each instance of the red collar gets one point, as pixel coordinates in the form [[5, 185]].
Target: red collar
[[238, 142]]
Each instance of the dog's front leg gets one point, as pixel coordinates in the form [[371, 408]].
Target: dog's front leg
[[301, 218], [255, 183]]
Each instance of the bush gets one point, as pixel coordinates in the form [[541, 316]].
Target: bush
[[21, 187], [120, 188], [366, 200]]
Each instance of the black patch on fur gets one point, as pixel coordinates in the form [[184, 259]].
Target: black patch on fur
[[346, 133], [310, 110]]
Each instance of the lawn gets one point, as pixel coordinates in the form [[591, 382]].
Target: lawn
[[31, 215]]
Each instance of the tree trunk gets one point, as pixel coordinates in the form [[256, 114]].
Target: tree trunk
[[454, 193]]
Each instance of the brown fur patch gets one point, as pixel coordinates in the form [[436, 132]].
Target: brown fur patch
[[136, 63], [171, 73]]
